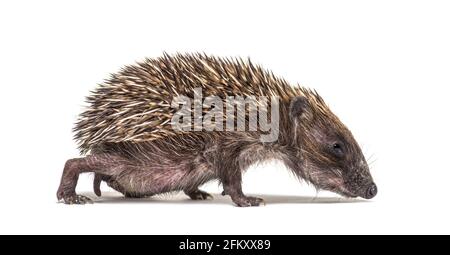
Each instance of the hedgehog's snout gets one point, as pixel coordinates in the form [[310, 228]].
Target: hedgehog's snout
[[370, 191]]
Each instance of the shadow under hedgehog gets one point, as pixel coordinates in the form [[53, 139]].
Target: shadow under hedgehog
[[127, 139]]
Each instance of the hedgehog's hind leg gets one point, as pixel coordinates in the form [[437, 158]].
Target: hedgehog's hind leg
[[197, 194], [103, 164], [69, 179]]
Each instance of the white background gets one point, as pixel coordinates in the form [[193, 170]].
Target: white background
[[382, 66]]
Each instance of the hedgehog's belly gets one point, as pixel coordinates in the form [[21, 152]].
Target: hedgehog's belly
[[151, 180]]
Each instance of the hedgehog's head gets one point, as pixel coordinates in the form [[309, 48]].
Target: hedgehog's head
[[330, 157]]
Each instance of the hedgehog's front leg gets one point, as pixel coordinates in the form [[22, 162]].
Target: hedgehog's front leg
[[231, 181]]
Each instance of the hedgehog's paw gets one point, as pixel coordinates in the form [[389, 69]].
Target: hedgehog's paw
[[198, 195], [243, 201], [75, 199]]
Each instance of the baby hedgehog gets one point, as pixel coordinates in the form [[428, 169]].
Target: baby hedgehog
[[131, 136]]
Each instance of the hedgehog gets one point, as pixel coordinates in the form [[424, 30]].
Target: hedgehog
[[128, 138]]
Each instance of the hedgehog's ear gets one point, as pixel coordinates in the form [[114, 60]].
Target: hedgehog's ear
[[299, 107]]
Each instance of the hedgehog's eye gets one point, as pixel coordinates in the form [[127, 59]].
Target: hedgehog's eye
[[338, 149], [337, 146]]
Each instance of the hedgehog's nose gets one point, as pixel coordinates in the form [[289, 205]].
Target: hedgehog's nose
[[371, 191]]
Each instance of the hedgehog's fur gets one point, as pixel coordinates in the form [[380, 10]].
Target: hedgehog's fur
[[126, 131]]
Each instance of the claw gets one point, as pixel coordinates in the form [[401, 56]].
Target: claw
[[248, 201], [199, 195], [77, 199]]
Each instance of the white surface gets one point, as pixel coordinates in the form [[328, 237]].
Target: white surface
[[383, 66]]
